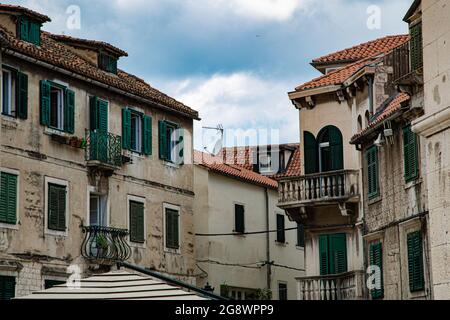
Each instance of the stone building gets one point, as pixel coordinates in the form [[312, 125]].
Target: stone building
[[95, 164]]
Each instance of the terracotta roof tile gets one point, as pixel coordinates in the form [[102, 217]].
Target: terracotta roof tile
[[13, 8], [364, 50], [90, 43]]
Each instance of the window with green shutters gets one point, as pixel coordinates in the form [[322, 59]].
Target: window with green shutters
[[7, 288], [372, 172], [239, 218], [98, 114], [57, 198], [137, 233], [410, 154], [107, 62], [29, 30], [171, 142], [14, 93], [416, 47], [172, 229], [281, 233], [136, 131], [333, 253], [376, 259], [311, 150], [57, 106], [8, 198], [415, 261]]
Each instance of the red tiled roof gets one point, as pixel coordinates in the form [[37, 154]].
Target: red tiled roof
[[33, 14], [217, 165], [364, 50], [392, 105], [57, 54], [89, 43]]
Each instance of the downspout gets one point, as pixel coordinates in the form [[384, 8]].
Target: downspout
[[371, 96], [268, 262]]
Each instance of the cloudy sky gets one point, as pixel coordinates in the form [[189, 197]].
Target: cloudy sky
[[232, 60]]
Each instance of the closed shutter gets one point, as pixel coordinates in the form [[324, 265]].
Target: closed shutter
[[372, 172], [7, 288], [336, 146], [311, 153], [338, 253], [163, 140], [239, 218], [8, 198], [126, 128], [415, 262], [45, 102], [280, 229], [172, 229], [22, 95], [300, 235], [57, 207], [137, 222], [147, 122], [416, 47], [410, 154], [35, 32], [376, 259], [69, 111], [323, 255]]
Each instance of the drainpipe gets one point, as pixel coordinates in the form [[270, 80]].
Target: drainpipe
[[371, 96], [269, 265]]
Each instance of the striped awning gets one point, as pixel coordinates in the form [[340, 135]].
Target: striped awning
[[118, 285]]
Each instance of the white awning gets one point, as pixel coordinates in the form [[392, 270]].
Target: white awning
[[118, 285]]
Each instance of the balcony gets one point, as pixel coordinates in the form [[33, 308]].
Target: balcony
[[407, 63], [336, 187], [346, 286], [103, 150], [105, 245]]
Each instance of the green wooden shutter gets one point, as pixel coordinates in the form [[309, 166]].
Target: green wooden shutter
[[8, 198], [239, 218], [93, 113], [102, 117], [338, 253], [57, 207], [172, 229], [337, 151], [410, 154], [180, 146], [126, 128], [147, 122], [281, 238], [300, 235], [324, 255], [163, 143], [69, 111], [311, 150], [22, 95], [415, 262], [7, 288], [372, 172], [376, 259], [34, 33], [416, 47], [45, 102], [23, 28], [137, 233]]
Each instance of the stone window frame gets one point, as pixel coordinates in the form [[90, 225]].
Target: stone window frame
[[142, 200], [175, 208], [65, 183]]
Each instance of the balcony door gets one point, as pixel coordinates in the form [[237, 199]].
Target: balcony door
[[97, 210], [331, 153]]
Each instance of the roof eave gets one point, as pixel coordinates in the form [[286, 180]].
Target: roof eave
[[294, 95]]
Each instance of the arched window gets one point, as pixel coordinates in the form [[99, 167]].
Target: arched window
[[330, 149], [359, 123]]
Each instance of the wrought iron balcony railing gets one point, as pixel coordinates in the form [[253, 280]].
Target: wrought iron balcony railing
[[346, 286], [312, 189], [103, 148], [105, 245]]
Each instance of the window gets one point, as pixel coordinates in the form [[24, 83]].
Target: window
[[29, 30], [97, 210], [239, 218], [265, 162], [281, 233], [376, 259], [8, 198], [172, 221], [136, 131], [7, 288], [137, 233], [98, 114], [48, 284], [415, 262], [333, 254], [107, 63], [372, 172], [282, 291], [300, 235], [57, 107], [14, 93], [410, 154], [57, 206], [171, 142]]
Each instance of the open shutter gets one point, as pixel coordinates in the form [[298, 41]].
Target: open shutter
[[35, 33], [8, 198], [415, 262], [69, 111], [126, 128], [410, 154], [376, 259], [163, 143], [147, 121], [45, 102], [23, 28], [338, 253], [337, 151], [102, 116], [323, 255], [311, 153], [22, 95], [280, 229], [239, 218], [416, 49], [180, 146]]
